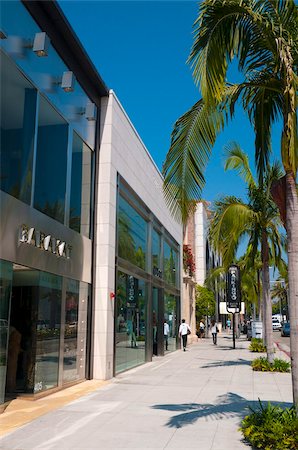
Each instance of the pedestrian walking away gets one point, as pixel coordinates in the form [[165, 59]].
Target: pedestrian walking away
[[166, 331], [184, 330], [214, 331], [202, 329]]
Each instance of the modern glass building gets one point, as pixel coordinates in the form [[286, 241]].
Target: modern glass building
[[89, 254], [49, 122]]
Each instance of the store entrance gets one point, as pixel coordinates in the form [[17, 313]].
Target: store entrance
[[20, 348], [34, 332]]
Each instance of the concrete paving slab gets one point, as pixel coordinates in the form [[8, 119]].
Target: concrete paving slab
[[193, 399]]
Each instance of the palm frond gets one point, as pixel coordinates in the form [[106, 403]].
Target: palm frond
[[192, 139], [231, 220], [238, 160], [222, 31]]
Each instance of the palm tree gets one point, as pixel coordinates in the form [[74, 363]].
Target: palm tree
[[258, 220], [263, 36]]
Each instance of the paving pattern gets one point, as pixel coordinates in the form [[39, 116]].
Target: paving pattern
[[185, 400]]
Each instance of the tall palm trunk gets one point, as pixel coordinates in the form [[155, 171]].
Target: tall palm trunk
[[259, 296], [267, 297], [292, 233]]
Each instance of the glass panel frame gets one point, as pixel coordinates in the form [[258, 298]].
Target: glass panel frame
[[50, 190], [132, 233], [130, 322], [18, 127], [81, 186]]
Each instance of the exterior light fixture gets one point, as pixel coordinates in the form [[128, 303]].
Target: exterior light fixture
[[68, 81], [3, 34], [41, 44], [90, 112]]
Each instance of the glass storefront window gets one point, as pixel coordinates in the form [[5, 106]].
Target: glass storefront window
[[5, 293], [132, 235], [170, 265], [156, 253], [47, 331], [80, 194], [51, 162], [130, 322], [18, 110], [155, 315], [75, 330], [71, 331], [170, 315]]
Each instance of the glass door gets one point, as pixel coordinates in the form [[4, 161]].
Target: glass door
[[155, 321], [5, 296]]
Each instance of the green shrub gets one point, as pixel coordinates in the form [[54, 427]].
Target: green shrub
[[279, 365], [271, 427], [257, 345]]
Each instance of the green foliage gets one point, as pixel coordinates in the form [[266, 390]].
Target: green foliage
[[271, 427], [262, 365], [205, 302], [257, 345]]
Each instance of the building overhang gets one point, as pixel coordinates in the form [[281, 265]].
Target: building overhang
[[52, 20]]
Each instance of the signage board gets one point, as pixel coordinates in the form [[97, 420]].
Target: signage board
[[233, 288], [131, 290], [224, 310]]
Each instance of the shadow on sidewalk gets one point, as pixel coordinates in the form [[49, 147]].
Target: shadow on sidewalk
[[238, 362], [228, 405]]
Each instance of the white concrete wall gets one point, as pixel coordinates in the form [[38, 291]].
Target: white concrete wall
[[201, 230], [121, 151]]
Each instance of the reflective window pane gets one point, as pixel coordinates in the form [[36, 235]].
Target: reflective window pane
[[132, 235], [156, 253], [5, 293], [170, 316], [130, 322], [71, 331], [170, 265], [74, 358], [80, 195], [17, 131], [51, 162], [48, 331]]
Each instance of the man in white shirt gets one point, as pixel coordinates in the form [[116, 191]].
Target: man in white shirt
[[166, 332], [184, 330]]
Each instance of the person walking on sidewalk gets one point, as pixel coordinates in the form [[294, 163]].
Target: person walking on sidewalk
[[214, 331], [166, 332], [184, 330]]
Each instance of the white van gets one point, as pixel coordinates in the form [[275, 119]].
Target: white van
[[276, 325]]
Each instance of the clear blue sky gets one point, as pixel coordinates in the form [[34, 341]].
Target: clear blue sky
[[140, 49]]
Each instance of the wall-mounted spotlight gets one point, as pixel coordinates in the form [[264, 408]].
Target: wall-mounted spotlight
[[68, 81], [90, 112], [41, 44], [3, 34]]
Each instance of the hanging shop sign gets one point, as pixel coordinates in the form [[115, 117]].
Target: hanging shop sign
[[44, 241], [132, 289], [233, 288]]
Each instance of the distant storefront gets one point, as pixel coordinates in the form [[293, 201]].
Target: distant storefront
[[147, 290]]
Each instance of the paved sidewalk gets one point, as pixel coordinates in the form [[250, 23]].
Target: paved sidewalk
[[186, 400]]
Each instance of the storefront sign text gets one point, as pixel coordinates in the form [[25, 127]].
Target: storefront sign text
[[44, 241]]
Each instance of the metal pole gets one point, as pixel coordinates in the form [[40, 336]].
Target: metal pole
[[234, 337]]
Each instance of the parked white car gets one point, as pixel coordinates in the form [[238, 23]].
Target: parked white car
[[276, 325]]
